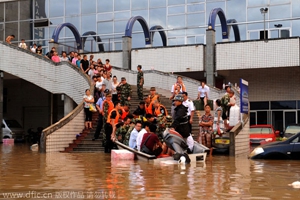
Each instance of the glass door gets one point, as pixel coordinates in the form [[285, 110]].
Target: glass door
[[289, 118], [277, 120]]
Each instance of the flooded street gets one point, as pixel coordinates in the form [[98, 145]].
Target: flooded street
[[94, 176]]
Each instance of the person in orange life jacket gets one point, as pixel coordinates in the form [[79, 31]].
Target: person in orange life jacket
[[153, 95], [110, 126], [159, 109], [124, 111], [106, 100], [148, 105]]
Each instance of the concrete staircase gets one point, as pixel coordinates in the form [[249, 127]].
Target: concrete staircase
[[84, 143]]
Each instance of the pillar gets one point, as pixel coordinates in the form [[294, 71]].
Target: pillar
[[126, 47], [210, 56], [1, 101], [68, 105]]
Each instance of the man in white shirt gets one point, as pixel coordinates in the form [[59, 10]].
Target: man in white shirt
[[134, 134], [179, 85], [23, 44], [141, 134], [191, 109], [203, 92]]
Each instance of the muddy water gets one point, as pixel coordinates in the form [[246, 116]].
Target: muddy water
[[94, 176]]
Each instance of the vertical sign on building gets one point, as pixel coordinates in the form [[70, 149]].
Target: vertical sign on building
[[244, 97]]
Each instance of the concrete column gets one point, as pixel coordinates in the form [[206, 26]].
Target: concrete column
[[1, 102], [68, 105], [210, 56], [126, 46]]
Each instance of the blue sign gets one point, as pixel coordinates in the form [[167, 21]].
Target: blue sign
[[244, 97]]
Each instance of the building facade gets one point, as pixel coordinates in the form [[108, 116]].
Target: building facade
[[185, 21]]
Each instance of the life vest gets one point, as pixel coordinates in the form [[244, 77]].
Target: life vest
[[110, 105], [124, 113], [117, 117], [158, 111], [149, 109], [155, 97]]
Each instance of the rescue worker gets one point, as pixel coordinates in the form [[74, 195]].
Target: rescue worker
[[159, 109], [153, 95], [181, 122], [107, 107], [124, 89], [140, 82], [110, 126], [148, 104], [124, 111]]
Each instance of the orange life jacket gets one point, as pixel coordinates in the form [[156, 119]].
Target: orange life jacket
[[117, 117], [149, 108], [110, 105], [124, 113], [155, 97], [157, 110]]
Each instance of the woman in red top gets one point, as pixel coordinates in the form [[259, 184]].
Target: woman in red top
[[107, 66]]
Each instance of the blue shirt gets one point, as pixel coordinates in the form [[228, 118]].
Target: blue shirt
[[132, 139], [100, 101]]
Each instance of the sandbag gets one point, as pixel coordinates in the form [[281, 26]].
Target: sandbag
[[234, 117]]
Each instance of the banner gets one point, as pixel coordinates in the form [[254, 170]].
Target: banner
[[244, 97]]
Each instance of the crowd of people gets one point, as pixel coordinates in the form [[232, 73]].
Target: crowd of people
[[143, 128]]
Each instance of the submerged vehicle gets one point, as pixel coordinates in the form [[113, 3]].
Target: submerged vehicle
[[260, 134]]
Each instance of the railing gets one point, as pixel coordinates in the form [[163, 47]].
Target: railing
[[35, 66]]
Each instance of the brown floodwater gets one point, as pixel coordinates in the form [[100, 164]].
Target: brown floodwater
[[95, 176]]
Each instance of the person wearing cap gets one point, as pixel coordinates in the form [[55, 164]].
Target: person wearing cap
[[99, 106], [124, 89], [140, 82], [153, 95], [181, 122]]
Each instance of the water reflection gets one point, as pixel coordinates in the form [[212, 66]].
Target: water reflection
[[220, 177]]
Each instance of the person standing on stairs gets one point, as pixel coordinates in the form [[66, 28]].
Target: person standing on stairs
[[110, 126], [125, 91], [140, 82], [153, 95], [99, 105], [88, 100]]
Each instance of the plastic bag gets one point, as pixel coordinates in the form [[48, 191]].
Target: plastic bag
[[92, 108]]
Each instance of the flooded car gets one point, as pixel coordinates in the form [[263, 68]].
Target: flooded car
[[264, 133], [12, 129], [288, 149], [291, 130]]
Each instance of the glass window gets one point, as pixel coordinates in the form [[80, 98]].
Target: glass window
[[211, 5], [196, 19], [25, 29], [196, 8], [40, 34], [191, 40], [261, 105], [12, 29], [143, 13], [139, 4], [158, 17], [254, 14], [40, 9], [105, 27], [236, 10], [2, 32], [119, 26], [298, 112], [105, 6], [157, 40], [200, 39], [105, 17], [258, 3], [118, 45], [252, 118], [122, 15], [283, 105], [88, 6], [295, 8], [279, 12], [76, 22], [1, 12], [56, 21], [56, 8], [176, 10], [195, 1], [72, 7], [175, 33], [25, 10], [122, 5], [138, 39], [262, 117], [176, 21], [279, 1], [88, 23], [11, 10], [257, 26], [176, 2], [157, 3], [298, 104], [296, 29]]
